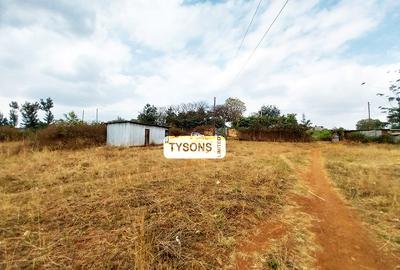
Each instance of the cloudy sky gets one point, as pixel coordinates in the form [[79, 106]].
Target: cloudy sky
[[119, 55]]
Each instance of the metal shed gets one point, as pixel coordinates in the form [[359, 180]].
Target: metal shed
[[132, 133]]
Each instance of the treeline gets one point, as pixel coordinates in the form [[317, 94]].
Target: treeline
[[187, 116], [266, 124], [68, 132], [269, 124], [29, 112]]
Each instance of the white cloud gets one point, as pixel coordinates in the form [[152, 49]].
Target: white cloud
[[120, 55]]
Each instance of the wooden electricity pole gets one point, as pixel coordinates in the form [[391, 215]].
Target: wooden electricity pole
[[215, 102]]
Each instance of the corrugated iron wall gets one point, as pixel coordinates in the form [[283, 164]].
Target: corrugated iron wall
[[130, 134]]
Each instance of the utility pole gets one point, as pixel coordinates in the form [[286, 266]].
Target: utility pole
[[83, 115], [97, 115], [215, 101], [369, 116]]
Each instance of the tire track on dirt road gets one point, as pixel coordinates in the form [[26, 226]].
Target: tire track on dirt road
[[345, 243]]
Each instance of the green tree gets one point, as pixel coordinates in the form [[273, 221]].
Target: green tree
[[305, 122], [220, 116], [187, 115], [270, 111], [71, 118], [149, 115], [46, 106], [233, 109], [29, 112], [393, 110], [3, 120], [170, 116], [367, 124], [288, 121], [13, 113]]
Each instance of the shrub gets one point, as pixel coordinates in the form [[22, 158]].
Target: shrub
[[177, 132], [274, 134], [357, 137], [322, 135], [207, 130], [204, 129], [11, 134], [385, 138], [71, 136]]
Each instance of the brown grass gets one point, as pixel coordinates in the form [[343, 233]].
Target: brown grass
[[63, 136], [368, 177], [11, 134], [130, 208]]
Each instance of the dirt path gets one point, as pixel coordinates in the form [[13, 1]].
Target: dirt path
[[257, 242], [345, 243]]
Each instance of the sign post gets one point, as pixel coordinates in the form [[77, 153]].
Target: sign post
[[193, 147]]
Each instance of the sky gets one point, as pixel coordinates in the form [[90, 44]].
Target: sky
[[119, 55]]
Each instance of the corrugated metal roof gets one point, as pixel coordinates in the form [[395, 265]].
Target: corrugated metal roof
[[134, 122]]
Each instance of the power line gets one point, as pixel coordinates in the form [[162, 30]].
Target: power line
[[262, 38], [248, 27]]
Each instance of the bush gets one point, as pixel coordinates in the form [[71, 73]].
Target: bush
[[71, 136], [204, 129], [177, 132], [274, 134], [322, 135], [207, 130], [11, 134], [385, 138], [357, 137]]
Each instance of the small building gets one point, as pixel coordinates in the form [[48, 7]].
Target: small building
[[132, 133], [335, 138], [373, 133], [394, 134]]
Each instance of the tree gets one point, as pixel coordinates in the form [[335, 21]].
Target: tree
[[367, 124], [148, 115], [3, 120], [186, 115], [29, 113], [288, 121], [393, 111], [46, 106], [270, 111], [305, 122], [71, 118], [233, 109], [170, 116], [13, 113], [220, 116]]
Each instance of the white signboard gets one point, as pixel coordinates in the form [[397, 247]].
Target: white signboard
[[194, 147]]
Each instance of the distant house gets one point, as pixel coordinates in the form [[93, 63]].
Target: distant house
[[373, 133], [395, 133], [318, 128], [132, 133]]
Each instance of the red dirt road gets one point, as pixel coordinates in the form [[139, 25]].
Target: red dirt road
[[345, 243], [258, 242]]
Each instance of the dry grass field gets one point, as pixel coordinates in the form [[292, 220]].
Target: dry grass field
[[130, 208], [369, 178]]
